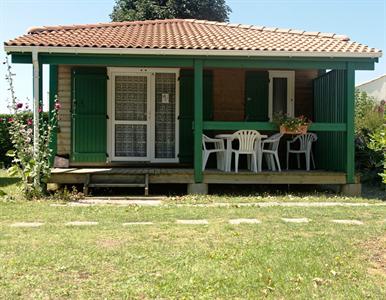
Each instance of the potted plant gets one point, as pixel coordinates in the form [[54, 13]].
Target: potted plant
[[292, 125]]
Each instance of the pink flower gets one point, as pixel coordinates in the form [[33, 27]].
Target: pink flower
[[58, 106], [29, 122], [40, 109], [10, 120], [1, 119], [19, 105]]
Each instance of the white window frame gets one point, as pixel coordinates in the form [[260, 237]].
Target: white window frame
[[290, 75], [150, 72]]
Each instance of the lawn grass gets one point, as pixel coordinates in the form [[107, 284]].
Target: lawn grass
[[165, 260], [274, 260]]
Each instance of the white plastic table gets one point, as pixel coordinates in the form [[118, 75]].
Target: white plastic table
[[228, 153]]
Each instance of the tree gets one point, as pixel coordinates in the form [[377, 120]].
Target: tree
[[132, 10]]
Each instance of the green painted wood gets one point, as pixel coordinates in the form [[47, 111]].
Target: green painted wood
[[330, 106], [187, 61], [198, 119], [186, 115], [89, 100], [53, 93], [350, 136], [256, 96], [223, 125]]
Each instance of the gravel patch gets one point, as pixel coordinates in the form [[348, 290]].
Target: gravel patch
[[27, 224], [193, 222], [348, 222], [295, 220], [81, 223], [244, 221], [137, 223]]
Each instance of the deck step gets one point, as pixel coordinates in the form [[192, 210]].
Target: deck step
[[116, 185], [131, 182]]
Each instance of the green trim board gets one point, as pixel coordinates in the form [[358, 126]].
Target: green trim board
[[269, 126], [198, 119], [53, 93], [208, 62], [350, 143], [186, 114]]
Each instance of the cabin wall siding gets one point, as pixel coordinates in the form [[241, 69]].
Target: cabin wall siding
[[228, 94], [64, 115], [304, 98]]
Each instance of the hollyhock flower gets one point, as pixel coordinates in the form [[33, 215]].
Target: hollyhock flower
[[19, 105], [1, 120], [10, 120], [40, 109], [29, 122], [58, 106]]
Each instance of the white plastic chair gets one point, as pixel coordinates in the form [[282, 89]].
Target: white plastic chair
[[271, 151], [219, 149], [305, 146], [249, 143]]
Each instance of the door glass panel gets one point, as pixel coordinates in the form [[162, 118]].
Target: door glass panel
[[130, 140], [165, 109], [130, 98], [279, 96]]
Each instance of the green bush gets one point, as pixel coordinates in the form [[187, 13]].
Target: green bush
[[369, 118], [5, 141], [378, 143]]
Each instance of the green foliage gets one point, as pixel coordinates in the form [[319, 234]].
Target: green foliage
[[132, 10], [290, 123], [369, 118], [378, 143], [29, 161], [5, 141]]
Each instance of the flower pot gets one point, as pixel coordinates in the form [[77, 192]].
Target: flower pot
[[300, 130]]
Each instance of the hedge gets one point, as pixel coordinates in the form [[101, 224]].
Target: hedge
[[5, 141]]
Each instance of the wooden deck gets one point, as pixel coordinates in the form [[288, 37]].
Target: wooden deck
[[186, 176]]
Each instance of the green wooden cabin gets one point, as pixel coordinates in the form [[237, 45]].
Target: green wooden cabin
[[136, 97]]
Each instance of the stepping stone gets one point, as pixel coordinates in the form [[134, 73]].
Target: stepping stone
[[26, 224], [137, 223], [348, 222], [244, 221], [193, 222], [81, 223], [295, 220]]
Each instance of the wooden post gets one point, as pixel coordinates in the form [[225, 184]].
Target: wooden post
[[198, 119], [350, 134]]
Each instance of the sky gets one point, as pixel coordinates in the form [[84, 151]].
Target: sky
[[363, 21]]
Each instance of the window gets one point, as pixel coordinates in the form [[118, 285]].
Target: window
[[281, 93]]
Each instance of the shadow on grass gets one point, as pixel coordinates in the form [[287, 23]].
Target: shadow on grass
[[6, 181]]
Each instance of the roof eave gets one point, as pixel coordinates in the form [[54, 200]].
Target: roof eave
[[188, 52]]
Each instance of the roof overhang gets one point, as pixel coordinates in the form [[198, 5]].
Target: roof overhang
[[188, 52]]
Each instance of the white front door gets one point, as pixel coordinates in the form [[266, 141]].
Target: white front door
[[144, 114], [130, 117]]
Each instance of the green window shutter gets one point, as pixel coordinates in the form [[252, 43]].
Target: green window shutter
[[89, 101], [256, 96], [187, 112]]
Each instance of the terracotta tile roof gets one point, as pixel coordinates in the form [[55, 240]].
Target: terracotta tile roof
[[189, 34]]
